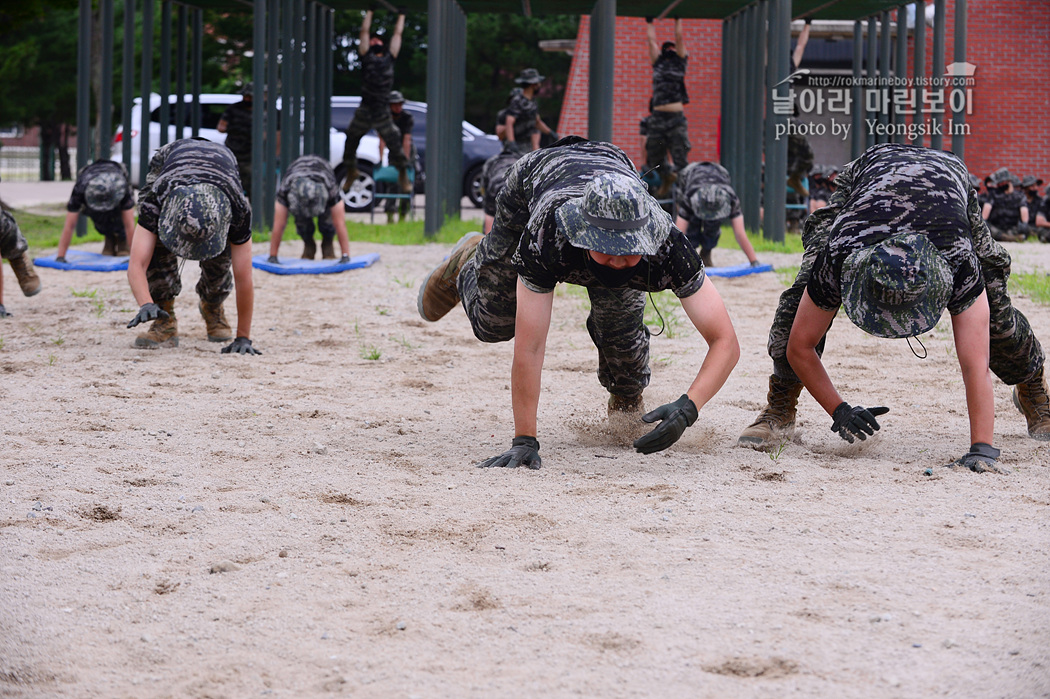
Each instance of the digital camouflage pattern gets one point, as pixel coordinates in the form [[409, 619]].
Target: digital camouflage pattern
[[868, 185], [373, 115], [105, 191], [897, 288], [165, 282], [316, 170], [526, 243], [191, 162], [703, 192], [525, 112], [615, 216], [377, 77], [494, 174], [194, 221], [307, 197], [105, 181], [668, 132], [12, 242], [669, 78]]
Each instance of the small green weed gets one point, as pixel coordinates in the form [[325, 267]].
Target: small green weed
[[774, 455], [100, 307], [51, 359], [787, 275], [1, 342], [371, 353], [59, 341], [403, 341], [85, 294], [382, 311], [407, 283]]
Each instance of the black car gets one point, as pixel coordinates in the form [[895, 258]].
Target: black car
[[478, 147]]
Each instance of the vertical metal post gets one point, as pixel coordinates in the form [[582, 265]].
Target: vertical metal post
[[958, 122], [446, 74], [729, 114], [296, 128], [327, 60], [776, 168], [602, 75], [165, 69], [105, 120], [323, 105], [885, 55], [872, 76], [740, 134], [127, 95], [273, 13], [939, 22], [146, 89], [180, 71], [723, 119], [857, 113], [84, 22], [258, 121], [198, 62], [769, 136], [309, 132], [919, 69], [287, 66], [753, 119], [900, 72]]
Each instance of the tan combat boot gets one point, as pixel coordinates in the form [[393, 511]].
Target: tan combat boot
[[309, 249], [351, 177], [1031, 399], [438, 294], [109, 247], [164, 332], [215, 321], [327, 250], [402, 181], [22, 266], [666, 183], [777, 419]]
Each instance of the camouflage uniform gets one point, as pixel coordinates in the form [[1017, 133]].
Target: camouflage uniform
[[188, 162], [1004, 220], [110, 222], [668, 131], [525, 112], [12, 242], [315, 168], [494, 175], [377, 79], [702, 233], [526, 243], [876, 200], [238, 118], [404, 123]]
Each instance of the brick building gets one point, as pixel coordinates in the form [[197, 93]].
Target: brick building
[[1008, 41]]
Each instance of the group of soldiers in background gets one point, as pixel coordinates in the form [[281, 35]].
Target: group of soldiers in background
[[1013, 207]]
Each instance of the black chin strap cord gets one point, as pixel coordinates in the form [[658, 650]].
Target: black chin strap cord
[[924, 354]]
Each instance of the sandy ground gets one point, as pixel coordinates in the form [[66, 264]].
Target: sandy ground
[[307, 523]]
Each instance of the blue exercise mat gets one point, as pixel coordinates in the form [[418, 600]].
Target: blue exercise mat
[[296, 265], [81, 260], [737, 270]]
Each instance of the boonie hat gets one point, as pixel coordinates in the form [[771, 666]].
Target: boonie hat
[[529, 76], [712, 202], [194, 221], [247, 89], [104, 191], [307, 197], [396, 97], [898, 288], [615, 216], [1031, 180], [1001, 175]]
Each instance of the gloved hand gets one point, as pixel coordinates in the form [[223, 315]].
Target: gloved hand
[[852, 422], [981, 458], [344, 259], [148, 311], [241, 345], [809, 20], [524, 451], [272, 259], [674, 417], [3, 312], [649, 19], [61, 259], [756, 263]]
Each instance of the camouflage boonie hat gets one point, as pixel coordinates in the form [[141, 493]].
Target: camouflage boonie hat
[[104, 191], [530, 76], [307, 197], [1031, 181], [712, 202], [1001, 175], [615, 216], [898, 288], [396, 97], [195, 221], [975, 181], [247, 90]]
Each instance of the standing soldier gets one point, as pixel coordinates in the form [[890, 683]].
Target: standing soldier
[[13, 248], [577, 212], [377, 79], [404, 122], [192, 207], [667, 128], [103, 193], [706, 200], [309, 191], [236, 123], [523, 124], [901, 240]]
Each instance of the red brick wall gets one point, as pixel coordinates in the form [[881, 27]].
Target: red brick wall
[[1008, 41]]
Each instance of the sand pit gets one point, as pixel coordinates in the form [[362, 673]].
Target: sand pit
[[309, 523]]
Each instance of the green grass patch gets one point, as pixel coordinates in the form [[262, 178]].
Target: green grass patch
[[43, 232], [787, 275], [792, 242], [1034, 285]]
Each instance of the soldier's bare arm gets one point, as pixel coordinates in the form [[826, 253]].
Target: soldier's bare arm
[[364, 39], [531, 324], [708, 315], [141, 253], [280, 220], [67, 234], [395, 40], [242, 284], [811, 322], [971, 331]]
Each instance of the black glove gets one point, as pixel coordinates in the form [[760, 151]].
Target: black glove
[[852, 422], [524, 451], [3, 312], [61, 259], [241, 345], [649, 19], [809, 21], [344, 259], [674, 417], [148, 311], [981, 458], [272, 259], [756, 263]]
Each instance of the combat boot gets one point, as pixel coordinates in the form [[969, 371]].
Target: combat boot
[[309, 249], [121, 247], [389, 217], [402, 181], [705, 257], [666, 182], [795, 182], [164, 332], [215, 321], [1031, 399], [327, 250], [351, 177], [626, 404], [438, 293], [109, 247], [777, 419], [22, 266]]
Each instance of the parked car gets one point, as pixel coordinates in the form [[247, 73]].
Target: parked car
[[477, 145]]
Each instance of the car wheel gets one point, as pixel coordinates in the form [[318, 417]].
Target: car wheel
[[472, 185], [362, 193]]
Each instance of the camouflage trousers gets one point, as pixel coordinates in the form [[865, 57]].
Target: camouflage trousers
[[1016, 355], [704, 234], [668, 132], [12, 242], [1011, 234], [373, 116], [488, 288], [165, 283], [304, 226]]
